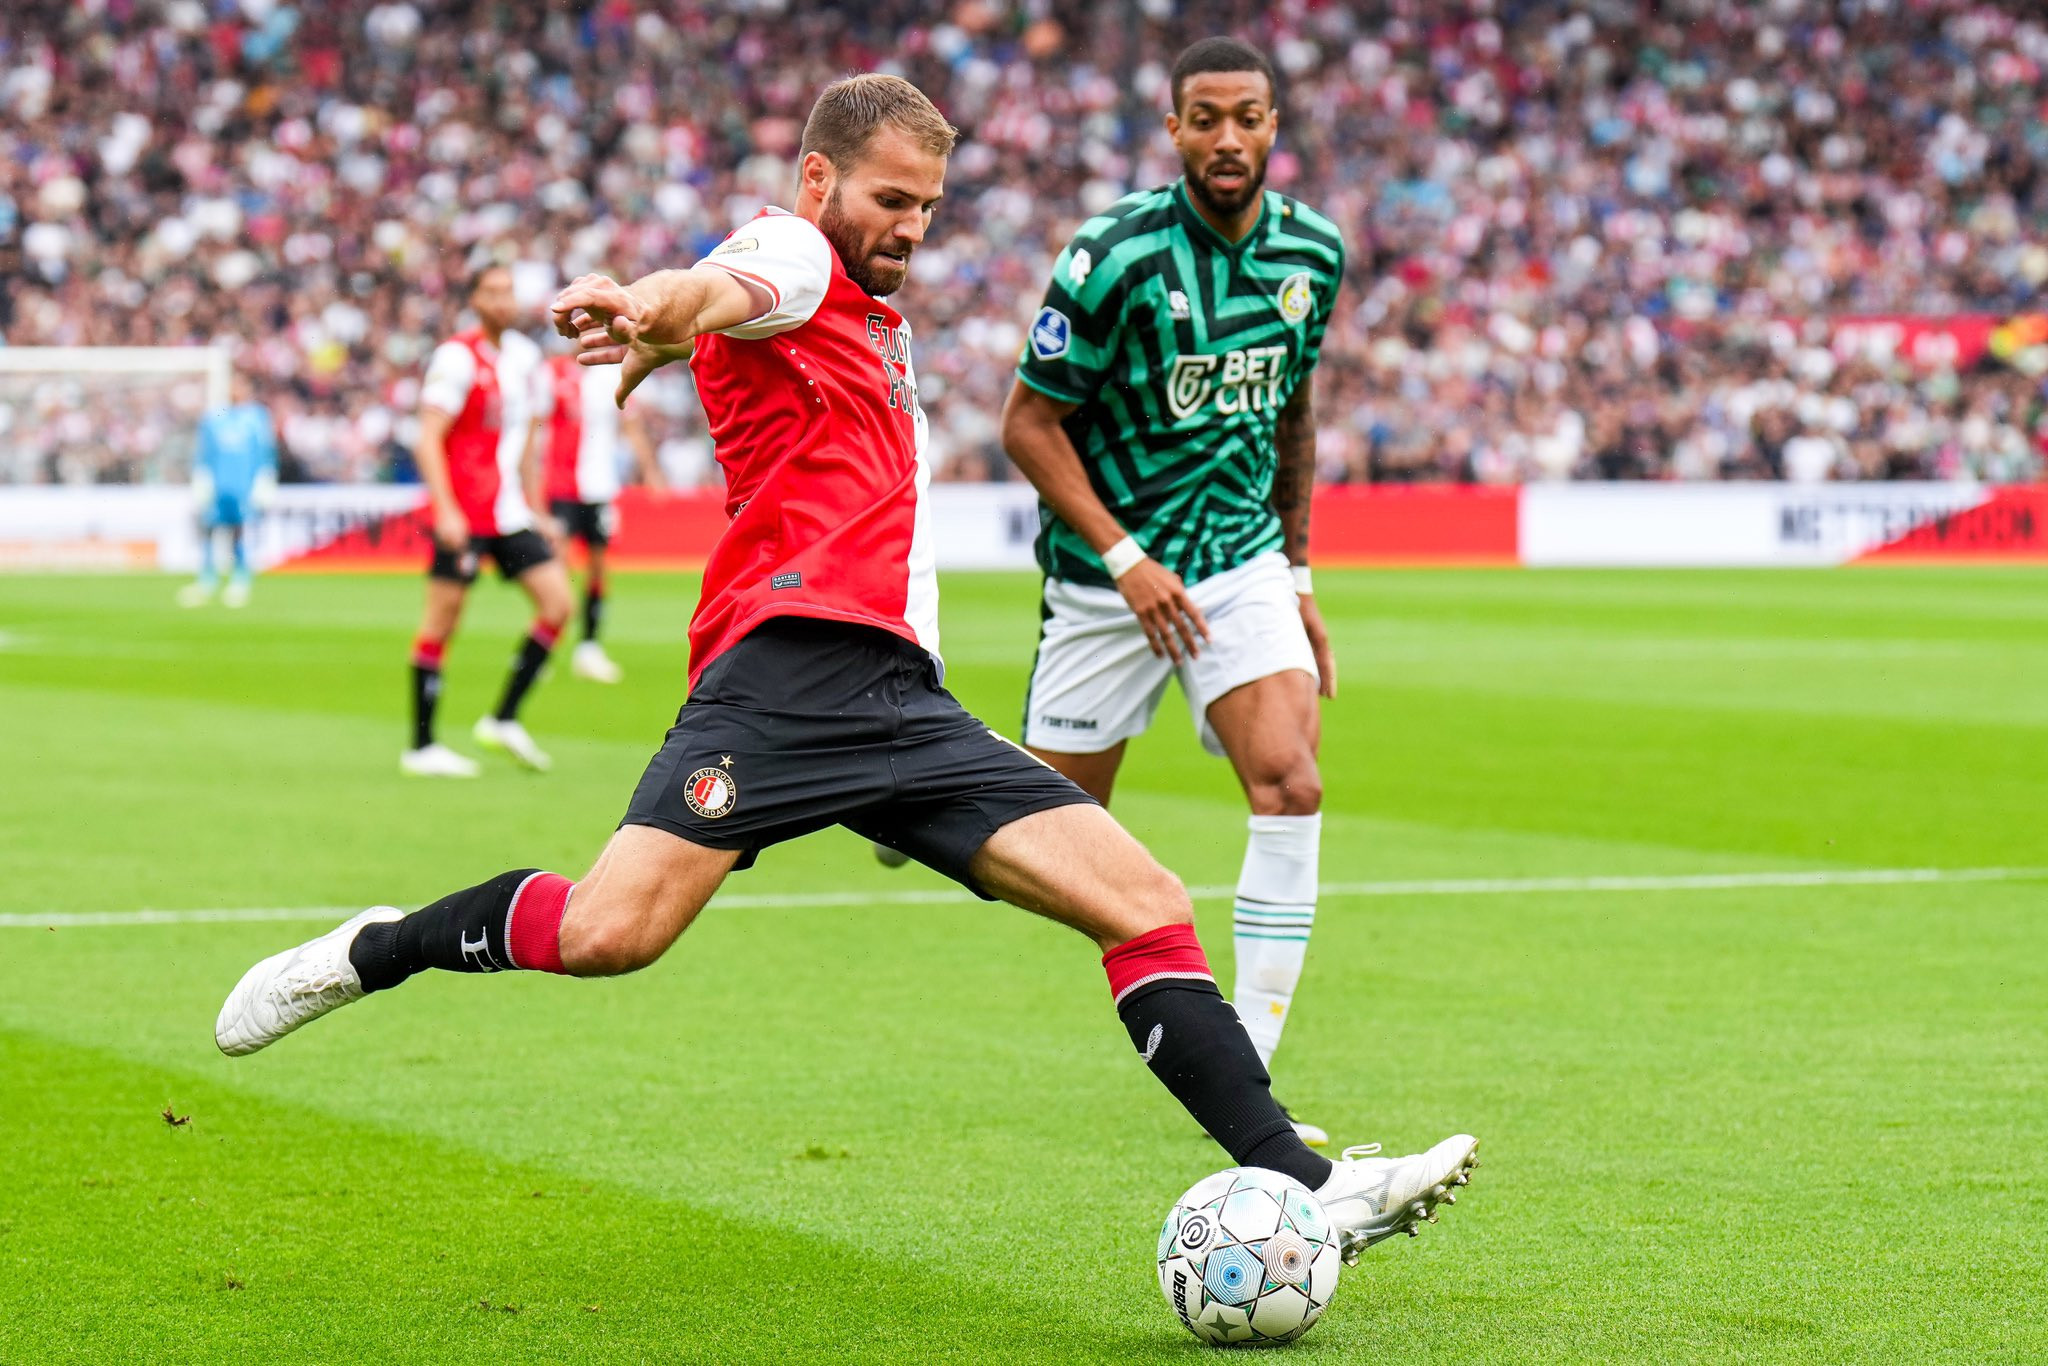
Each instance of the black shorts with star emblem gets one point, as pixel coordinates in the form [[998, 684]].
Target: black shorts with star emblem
[[805, 724]]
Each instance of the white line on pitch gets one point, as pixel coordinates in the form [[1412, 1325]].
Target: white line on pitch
[[1681, 882]]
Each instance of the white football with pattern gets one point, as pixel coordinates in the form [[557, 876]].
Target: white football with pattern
[[1248, 1258]]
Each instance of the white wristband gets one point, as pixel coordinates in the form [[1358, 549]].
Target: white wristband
[[1121, 558], [1304, 582]]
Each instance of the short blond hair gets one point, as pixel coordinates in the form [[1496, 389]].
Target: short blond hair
[[850, 111]]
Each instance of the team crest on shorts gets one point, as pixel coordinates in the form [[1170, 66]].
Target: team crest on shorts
[[711, 792]]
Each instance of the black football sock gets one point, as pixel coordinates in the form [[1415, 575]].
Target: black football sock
[[526, 666], [593, 611], [426, 690], [1192, 1040], [511, 921]]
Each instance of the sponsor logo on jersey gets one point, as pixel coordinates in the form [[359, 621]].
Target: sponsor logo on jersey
[[1177, 306], [1246, 380], [711, 793], [794, 579], [1297, 296], [1050, 332], [733, 246]]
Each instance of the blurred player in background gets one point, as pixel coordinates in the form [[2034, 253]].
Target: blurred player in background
[[483, 479], [581, 428], [234, 475], [815, 695], [1162, 411]]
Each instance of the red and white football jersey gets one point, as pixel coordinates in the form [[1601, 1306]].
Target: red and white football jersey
[[813, 410], [489, 391], [583, 430]]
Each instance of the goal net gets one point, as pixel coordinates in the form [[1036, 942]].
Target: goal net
[[105, 414]]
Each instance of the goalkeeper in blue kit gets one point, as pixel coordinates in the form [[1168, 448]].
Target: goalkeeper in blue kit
[[234, 474]]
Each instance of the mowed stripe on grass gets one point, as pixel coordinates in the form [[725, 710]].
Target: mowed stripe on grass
[[1511, 886]]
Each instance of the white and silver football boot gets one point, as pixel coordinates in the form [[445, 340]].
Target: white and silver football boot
[[437, 761], [588, 660], [511, 738], [287, 989], [1371, 1197]]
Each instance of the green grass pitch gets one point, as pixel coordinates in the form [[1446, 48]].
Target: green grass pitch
[[853, 1117]]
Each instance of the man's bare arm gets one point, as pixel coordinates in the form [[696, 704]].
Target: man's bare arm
[[1294, 472], [1039, 446], [430, 455], [655, 320], [1294, 487]]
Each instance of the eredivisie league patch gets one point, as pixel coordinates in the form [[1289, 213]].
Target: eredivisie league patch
[[711, 792], [1050, 332]]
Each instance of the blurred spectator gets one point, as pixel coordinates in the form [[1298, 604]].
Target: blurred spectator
[[1578, 229]]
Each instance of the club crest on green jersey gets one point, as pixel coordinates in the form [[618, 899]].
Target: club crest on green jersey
[[1297, 296]]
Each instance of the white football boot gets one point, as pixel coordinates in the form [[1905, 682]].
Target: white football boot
[[1371, 1197], [589, 660], [195, 594], [287, 989], [438, 761], [509, 737], [236, 594]]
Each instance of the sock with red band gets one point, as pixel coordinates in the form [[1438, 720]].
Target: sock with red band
[[1193, 1042], [426, 688], [526, 665], [513, 921]]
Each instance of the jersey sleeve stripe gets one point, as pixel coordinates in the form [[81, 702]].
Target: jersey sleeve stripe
[[1032, 381]]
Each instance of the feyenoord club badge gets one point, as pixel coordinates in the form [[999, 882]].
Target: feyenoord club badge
[[711, 792]]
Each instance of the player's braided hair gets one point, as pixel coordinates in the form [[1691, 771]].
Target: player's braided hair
[[852, 110]]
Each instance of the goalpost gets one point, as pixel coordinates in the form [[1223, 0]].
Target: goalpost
[[105, 414]]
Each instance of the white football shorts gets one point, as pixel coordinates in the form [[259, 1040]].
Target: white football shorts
[[1096, 681]]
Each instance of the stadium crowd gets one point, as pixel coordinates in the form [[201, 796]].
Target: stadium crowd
[[1594, 239]]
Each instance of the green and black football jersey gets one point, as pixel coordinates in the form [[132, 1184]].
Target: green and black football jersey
[[1181, 348]]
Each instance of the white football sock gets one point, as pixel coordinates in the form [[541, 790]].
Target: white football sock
[[1276, 907]]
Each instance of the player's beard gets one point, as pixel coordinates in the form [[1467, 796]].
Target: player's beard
[[858, 256], [1226, 203]]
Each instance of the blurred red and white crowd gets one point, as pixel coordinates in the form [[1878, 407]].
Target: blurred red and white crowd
[[1589, 238]]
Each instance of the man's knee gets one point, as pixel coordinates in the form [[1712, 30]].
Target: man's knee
[[1160, 899], [604, 943], [1290, 788]]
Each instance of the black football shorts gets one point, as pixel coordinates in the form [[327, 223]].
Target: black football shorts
[[805, 724], [592, 523], [514, 554]]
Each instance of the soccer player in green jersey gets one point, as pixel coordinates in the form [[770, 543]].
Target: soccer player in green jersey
[[1162, 411]]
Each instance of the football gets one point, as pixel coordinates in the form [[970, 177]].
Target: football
[[1248, 1258]]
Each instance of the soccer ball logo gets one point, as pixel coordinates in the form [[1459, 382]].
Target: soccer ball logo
[[1247, 1258]]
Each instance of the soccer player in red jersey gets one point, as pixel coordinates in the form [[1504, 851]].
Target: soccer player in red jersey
[[581, 429], [815, 695], [476, 418]]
